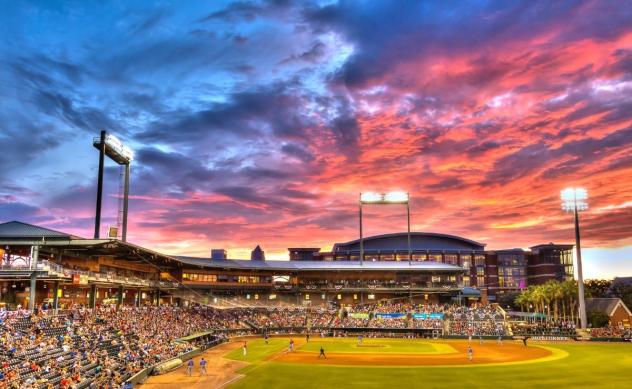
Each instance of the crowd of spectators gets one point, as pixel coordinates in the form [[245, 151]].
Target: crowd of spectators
[[612, 332], [546, 328], [349, 322], [321, 318], [428, 324], [388, 322], [475, 321], [82, 348]]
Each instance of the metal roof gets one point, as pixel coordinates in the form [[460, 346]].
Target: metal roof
[[16, 229], [433, 241], [315, 265], [606, 305]]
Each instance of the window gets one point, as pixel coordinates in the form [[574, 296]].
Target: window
[[480, 271], [419, 257], [387, 257], [248, 279], [306, 296], [513, 259], [480, 280], [479, 260], [435, 257], [452, 259], [402, 257], [466, 280], [371, 257]]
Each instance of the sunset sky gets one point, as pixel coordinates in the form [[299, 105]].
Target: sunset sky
[[261, 122]]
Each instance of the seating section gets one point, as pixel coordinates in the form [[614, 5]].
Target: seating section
[[103, 347], [97, 347]]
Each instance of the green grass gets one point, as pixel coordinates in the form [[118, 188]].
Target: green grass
[[258, 350], [373, 346], [594, 365]]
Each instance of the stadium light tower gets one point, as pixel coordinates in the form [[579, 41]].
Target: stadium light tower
[[385, 198], [111, 146], [575, 200]]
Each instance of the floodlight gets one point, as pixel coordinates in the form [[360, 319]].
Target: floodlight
[[118, 147], [111, 146], [396, 197], [371, 197], [384, 198], [574, 198]]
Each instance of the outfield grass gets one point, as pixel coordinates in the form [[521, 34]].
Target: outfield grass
[[258, 350], [372, 346], [587, 365]]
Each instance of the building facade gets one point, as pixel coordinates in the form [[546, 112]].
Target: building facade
[[40, 265], [493, 272]]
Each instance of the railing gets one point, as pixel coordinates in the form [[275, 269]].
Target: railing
[[389, 286], [60, 271]]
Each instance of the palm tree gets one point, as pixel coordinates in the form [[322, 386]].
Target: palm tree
[[554, 292], [570, 292]]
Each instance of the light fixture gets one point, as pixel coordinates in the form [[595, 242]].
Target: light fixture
[[384, 198], [575, 200]]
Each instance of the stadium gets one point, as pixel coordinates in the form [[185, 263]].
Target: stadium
[[431, 305], [315, 194]]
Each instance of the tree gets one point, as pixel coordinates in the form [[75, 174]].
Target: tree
[[549, 297], [624, 292], [597, 288], [598, 319]]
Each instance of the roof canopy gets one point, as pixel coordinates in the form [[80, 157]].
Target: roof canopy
[[19, 230], [418, 241], [318, 265]]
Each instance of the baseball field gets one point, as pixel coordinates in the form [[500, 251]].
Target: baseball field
[[380, 363]]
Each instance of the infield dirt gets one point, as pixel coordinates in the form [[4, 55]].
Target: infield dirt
[[485, 353]]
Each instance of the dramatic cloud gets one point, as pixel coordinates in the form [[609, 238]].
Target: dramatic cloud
[[259, 122]]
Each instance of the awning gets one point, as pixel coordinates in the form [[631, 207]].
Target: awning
[[470, 292]]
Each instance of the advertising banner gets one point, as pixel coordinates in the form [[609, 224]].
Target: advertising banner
[[425, 316], [390, 315], [359, 315]]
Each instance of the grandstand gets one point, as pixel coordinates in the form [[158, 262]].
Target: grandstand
[[87, 312]]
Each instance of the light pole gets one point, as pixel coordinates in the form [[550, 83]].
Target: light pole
[[384, 198], [575, 200]]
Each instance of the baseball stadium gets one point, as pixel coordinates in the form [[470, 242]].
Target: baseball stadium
[[410, 308], [315, 194]]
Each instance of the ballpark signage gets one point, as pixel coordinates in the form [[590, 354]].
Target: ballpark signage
[[390, 315], [359, 315], [425, 316]]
